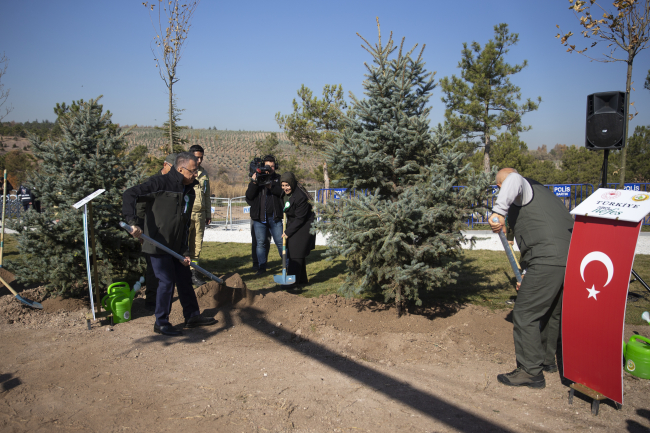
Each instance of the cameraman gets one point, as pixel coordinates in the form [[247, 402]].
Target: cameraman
[[266, 211]]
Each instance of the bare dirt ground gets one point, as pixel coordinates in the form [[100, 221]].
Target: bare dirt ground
[[280, 362]]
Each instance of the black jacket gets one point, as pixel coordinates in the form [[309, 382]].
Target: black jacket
[[141, 207], [300, 217], [168, 211], [254, 197]]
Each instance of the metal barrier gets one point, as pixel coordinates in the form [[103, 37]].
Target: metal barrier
[[13, 208], [220, 212], [572, 194], [477, 217], [232, 213], [326, 194], [240, 213]]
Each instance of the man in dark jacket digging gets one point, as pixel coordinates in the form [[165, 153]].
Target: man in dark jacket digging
[[151, 282], [169, 206]]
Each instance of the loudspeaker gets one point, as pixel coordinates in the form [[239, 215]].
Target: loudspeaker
[[605, 121]]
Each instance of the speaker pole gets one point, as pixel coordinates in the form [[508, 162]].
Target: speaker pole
[[605, 162]]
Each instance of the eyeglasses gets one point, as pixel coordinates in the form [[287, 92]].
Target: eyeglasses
[[196, 171]]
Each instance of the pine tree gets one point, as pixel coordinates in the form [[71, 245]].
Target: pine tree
[[178, 143], [400, 232], [89, 155], [483, 101]]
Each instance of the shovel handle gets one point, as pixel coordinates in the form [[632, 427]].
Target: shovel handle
[[511, 257], [8, 287], [172, 253]]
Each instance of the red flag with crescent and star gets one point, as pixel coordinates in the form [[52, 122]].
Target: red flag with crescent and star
[[593, 308]]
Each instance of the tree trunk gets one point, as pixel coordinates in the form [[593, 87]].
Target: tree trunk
[[171, 114], [398, 301], [486, 155], [486, 139], [326, 180], [628, 87]]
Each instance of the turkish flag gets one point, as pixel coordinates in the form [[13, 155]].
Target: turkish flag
[[593, 308]]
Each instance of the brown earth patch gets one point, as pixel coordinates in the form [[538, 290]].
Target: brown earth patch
[[285, 364], [53, 305]]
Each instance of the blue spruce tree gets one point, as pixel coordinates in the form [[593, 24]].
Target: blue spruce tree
[[89, 155], [400, 231]]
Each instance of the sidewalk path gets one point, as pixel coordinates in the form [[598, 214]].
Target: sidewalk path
[[485, 239]]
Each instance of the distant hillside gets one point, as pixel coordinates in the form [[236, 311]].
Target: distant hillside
[[227, 153]]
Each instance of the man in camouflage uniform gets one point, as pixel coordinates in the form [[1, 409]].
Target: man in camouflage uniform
[[201, 212]]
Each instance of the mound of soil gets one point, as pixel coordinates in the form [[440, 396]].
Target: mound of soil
[[233, 291], [53, 305], [14, 311], [212, 296]]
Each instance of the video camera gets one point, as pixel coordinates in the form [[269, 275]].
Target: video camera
[[263, 171]]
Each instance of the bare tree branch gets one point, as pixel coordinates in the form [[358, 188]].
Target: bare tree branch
[[626, 27], [4, 94], [167, 47]]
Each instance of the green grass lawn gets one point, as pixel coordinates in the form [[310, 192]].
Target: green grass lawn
[[485, 277]]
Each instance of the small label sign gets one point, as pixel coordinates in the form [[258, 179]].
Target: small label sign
[[247, 209], [562, 190], [337, 193], [632, 187]]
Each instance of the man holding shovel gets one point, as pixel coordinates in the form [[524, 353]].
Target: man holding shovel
[[542, 228], [150, 277], [170, 200]]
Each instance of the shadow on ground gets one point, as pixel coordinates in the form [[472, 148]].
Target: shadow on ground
[[425, 403]]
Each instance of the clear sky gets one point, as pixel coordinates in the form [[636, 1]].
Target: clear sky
[[245, 60]]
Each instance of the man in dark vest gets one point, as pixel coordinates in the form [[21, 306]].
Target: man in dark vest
[[542, 227]]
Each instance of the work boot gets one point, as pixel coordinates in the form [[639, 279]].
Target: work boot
[[196, 321], [195, 278], [551, 368], [168, 330], [519, 377]]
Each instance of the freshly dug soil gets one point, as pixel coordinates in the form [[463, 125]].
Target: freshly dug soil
[[7, 276], [284, 363], [215, 295]]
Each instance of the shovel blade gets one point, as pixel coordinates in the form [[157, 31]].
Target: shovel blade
[[29, 302], [284, 279]]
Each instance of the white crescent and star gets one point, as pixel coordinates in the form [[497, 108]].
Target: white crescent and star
[[597, 256]]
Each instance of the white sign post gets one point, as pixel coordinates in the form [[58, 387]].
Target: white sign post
[[88, 216]]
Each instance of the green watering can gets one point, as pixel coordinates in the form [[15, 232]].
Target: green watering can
[[120, 299], [636, 354]]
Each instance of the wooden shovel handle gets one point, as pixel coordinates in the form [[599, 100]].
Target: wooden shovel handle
[[8, 287]]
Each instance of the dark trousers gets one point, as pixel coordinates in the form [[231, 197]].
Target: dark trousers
[[298, 267], [536, 317], [267, 245], [150, 282], [170, 272]]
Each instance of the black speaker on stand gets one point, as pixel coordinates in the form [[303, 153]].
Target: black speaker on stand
[[605, 130]]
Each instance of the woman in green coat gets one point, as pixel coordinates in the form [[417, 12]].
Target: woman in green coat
[[300, 216]]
